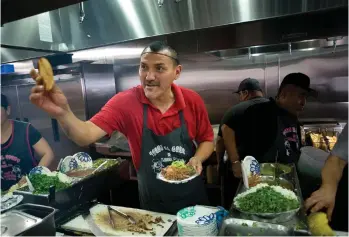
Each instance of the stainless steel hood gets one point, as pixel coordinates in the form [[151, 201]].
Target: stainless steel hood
[[190, 26]]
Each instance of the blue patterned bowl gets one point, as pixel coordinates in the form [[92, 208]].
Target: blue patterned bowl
[[68, 163], [39, 170], [84, 160]]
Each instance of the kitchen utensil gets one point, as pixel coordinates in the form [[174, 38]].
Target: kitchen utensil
[[110, 217], [30, 185], [100, 167], [129, 218]]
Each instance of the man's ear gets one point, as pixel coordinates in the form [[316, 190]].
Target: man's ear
[[178, 71]]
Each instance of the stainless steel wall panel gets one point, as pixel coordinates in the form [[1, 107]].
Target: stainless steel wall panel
[[99, 86], [215, 79]]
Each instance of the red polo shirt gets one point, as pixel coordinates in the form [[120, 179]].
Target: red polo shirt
[[124, 113]]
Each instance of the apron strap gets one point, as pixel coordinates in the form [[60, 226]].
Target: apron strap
[[145, 116]]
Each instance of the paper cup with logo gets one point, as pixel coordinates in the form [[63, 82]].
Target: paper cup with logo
[[249, 166]]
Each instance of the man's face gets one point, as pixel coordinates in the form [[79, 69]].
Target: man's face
[[294, 99], [157, 72], [4, 114]]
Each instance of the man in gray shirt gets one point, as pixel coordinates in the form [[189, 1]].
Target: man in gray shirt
[[333, 193]]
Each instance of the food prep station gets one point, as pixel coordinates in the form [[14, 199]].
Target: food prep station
[[76, 211], [284, 224]]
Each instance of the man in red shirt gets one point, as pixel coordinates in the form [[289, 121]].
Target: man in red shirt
[[161, 122]]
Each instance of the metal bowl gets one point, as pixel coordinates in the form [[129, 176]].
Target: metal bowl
[[269, 168], [279, 217], [284, 183]]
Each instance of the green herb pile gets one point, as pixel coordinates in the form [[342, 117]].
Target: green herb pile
[[266, 200], [110, 163], [42, 183]]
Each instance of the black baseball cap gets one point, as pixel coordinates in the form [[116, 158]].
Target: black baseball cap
[[4, 101], [300, 80], [249, 84]]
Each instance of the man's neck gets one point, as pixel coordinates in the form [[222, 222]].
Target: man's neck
[[285, 108], [165, 101], [6, 131]]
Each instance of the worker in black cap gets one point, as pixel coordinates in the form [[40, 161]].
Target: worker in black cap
[[249, 93], [271, 130]]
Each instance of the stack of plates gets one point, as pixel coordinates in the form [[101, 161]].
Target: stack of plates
[[197, 220]]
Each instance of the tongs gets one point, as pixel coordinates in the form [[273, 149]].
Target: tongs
[[129, 218]]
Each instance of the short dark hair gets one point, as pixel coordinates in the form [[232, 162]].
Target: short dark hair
[[4, 101], [158, 46]]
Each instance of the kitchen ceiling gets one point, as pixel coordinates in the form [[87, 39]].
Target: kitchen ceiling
[[190, 26]]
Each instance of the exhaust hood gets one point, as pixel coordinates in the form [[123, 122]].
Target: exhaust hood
[[190, 26]]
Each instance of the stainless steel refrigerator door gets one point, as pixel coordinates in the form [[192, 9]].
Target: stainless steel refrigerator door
[[49, 127]]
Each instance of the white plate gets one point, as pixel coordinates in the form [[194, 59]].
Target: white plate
[[12, 201], [161, 177]]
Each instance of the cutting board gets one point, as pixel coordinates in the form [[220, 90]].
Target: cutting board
[[79, 224]]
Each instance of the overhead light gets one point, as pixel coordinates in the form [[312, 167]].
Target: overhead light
[[307, 49], [107, 52]]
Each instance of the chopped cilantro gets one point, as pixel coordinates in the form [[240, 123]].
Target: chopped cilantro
[[266, 200]]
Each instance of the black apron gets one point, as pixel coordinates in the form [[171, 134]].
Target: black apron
[[158, 152], [17, 157], [280, 149]]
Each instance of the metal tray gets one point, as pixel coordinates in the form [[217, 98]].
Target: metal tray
[[16, 222], [240, 227], [85, 190]]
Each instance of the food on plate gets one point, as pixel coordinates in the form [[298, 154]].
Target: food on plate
[[42, 183], [318, 225], [46, 74], [79, 173], [264, 198], [143, 221], [178, 170]]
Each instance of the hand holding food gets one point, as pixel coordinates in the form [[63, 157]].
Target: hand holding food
[[196, 163], [46, 94], [323, 198]]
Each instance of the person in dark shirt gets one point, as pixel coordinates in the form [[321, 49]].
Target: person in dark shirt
[[271, 129], [250, 93], [19, 141]]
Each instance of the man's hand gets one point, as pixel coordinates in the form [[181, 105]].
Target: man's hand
[[196, 163], [236, 167], [325, 197], [53, 102]]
